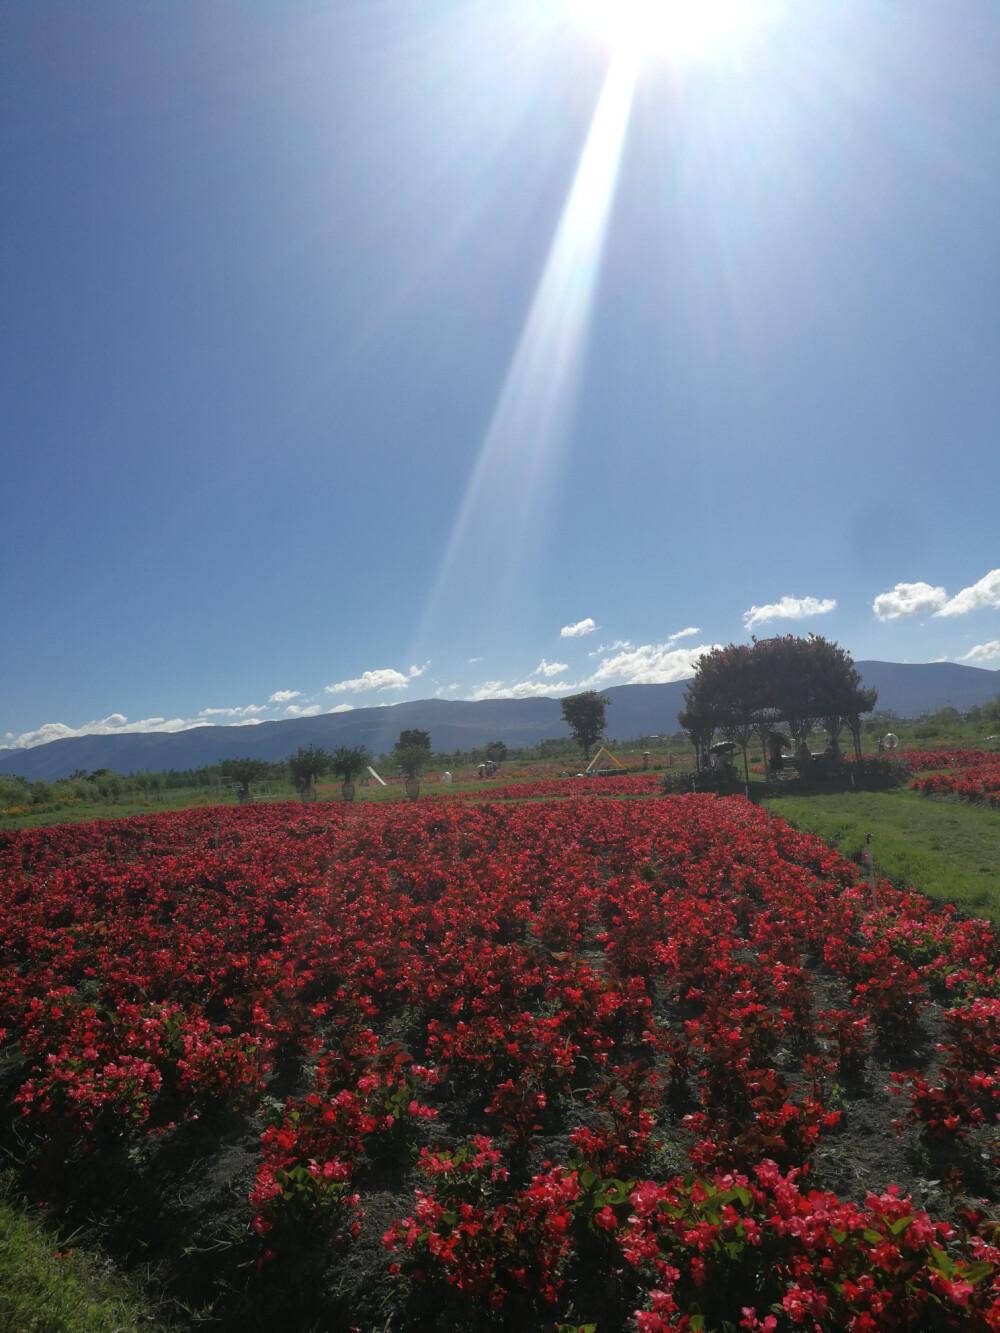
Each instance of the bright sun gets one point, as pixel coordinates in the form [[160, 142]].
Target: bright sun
[[676, 30]]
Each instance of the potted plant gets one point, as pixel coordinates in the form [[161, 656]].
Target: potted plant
[[304, 768], [348, 760], [411, 759]]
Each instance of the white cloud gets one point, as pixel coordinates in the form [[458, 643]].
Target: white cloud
[[115, 724], [549, 668], [384, 678], [982, 652], [300, 710], [614, 647], [984, 594], [474, 660], [683, 634], [341, 708], [650, 664], [524, 689], [908, 599], [283, 696], [445, 689], [578, 630], [789, 608], [251, 710]]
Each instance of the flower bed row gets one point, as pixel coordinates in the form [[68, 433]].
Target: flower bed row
[[975, 778], [925, 761], [522, 1016]]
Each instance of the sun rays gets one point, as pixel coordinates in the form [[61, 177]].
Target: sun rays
[[517, 465]]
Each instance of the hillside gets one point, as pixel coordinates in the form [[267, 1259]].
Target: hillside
[[637, 710]]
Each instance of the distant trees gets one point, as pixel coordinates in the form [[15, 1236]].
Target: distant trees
[[242, 772], [305, 766], [584, 714], [748, 688], [412, 752], [496, 751], [348, 760], [414, 737]]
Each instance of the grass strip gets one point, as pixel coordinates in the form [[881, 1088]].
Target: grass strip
[[49, 1288], [948, 850]]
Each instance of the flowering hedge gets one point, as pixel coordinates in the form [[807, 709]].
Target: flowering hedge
[[527, 1012]]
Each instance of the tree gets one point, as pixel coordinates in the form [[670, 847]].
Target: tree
[[584, 715], [743, 688], [304, 767], [243, 772], [412, 752], [725, 694], [697, 724], [496, 751], [412, 759], [420, 739], [348, 760]]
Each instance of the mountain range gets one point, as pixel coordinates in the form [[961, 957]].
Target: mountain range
[[907, 689]]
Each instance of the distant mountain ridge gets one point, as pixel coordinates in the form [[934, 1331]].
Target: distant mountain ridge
[[908, 689]]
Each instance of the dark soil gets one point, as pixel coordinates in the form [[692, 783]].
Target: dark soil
[[174, 1208]]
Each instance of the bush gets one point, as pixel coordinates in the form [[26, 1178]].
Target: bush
[[879, 772], [723, 782]]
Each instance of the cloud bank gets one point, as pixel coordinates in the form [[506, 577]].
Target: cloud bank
[[908, 599], [383, 678], [115, 724], [984, 595], [649, 664], [524, 689], [982, 652], [789, 608], [578, 630]]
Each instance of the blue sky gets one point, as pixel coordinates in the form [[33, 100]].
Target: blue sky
[[369, 350]]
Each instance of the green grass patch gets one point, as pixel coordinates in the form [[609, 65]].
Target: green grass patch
[[51, 1287], [946, 850]]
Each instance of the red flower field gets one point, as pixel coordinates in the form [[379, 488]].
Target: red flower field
[[646, 1064]]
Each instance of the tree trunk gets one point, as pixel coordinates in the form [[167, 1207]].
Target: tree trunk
[[855, 726], [347, 791], [412, 788], [765, 735]]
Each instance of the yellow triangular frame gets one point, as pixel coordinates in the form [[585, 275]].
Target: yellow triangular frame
[[604, 759]]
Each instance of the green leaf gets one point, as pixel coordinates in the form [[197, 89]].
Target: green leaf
[[941, 1260], [975, 1272], [900, 1224]]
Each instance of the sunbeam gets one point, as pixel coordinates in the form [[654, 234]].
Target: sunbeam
[[511, 483]]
